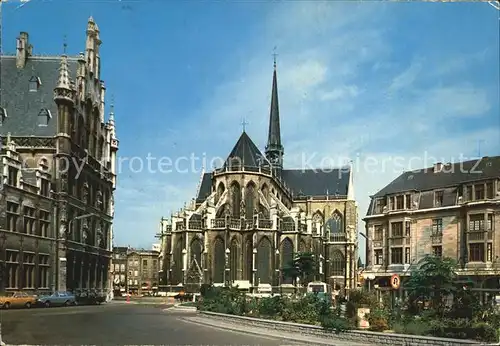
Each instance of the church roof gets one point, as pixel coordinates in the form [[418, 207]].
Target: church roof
[[24, 106], [317, 182], [245, 153]]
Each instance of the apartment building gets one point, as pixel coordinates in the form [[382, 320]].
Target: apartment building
[[143, 271], [449, 210]]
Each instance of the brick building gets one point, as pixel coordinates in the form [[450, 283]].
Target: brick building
[[450, 210], [55, 141]]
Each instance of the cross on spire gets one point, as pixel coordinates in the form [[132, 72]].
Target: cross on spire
[[243, 124], [65, 44], [275, 55]]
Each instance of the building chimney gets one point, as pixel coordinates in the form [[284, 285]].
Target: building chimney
[[24, 49], [438, 167]]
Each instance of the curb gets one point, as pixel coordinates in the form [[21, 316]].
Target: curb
[[294, 340]]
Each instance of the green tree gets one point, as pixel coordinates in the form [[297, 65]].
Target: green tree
[[433, 281], [302, 266]]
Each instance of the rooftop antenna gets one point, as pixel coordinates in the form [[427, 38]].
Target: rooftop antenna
[[479, 147], [65, 44], [275, 55]]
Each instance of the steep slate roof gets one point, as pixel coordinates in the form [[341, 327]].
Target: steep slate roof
[[315, 182], [246, 152], [451, 175], [205, 188], [24, 106]]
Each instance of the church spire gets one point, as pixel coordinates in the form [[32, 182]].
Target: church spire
[[274, 149]]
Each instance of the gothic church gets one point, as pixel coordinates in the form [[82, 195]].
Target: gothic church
[[251, 215]]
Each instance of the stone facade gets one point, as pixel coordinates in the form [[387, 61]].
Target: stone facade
[[457, 218], [57, 126], [251, 215]]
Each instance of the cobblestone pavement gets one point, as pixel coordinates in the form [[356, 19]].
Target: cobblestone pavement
[[118, 324]]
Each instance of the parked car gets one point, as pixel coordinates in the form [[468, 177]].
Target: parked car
[[57, 299], [18, 300]]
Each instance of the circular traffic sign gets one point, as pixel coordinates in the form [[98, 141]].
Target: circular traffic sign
[[395, 281]]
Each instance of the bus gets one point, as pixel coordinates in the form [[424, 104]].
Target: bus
[[321, 289]]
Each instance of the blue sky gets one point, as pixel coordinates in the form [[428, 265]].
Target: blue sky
[[389, 85]]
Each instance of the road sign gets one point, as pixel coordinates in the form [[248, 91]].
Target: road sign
[[395, 281]]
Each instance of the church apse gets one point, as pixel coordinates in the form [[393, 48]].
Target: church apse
[[270, 211]]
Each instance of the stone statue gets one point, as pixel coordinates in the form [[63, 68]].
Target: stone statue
[[85, 192], [62, 231], [62, 212], [99, 198], [242, 208], [64, 182]]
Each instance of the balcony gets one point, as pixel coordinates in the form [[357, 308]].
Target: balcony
[[265, 224], [287, 226], [195, 224]]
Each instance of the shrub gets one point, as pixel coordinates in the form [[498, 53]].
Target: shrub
[[378, 320]]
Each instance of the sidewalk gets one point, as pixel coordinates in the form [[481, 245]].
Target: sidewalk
[[294, 337]]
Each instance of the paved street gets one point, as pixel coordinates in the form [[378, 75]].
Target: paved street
[[116, 324]]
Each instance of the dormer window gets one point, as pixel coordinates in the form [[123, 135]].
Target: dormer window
[[44, 117], [3, 115], [438, 198], [34, 83]]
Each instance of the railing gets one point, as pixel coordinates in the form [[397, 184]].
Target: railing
[[248, 224], [265, 224], [195, 224], [287, 226], [219, 223], [337, 238], [234, 224], [180, 226]]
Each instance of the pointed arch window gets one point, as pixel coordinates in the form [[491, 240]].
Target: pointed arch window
[[264, 262], [317, 223], [248, 253], [249, 201], [177, 262], [234, 260], [286, 258], [220, 191], [44, 117], [337, 263], [236, 199], [219, 260], [335, 227]]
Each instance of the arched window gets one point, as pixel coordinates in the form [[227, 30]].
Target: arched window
[[286, 257], [236, 199], [248, 254], [335, 227], [264, 261], [249, 200], [317, 222], [337, 262], [234, 260], [196, 249], [220, 191], [177, 262], [219, 260]]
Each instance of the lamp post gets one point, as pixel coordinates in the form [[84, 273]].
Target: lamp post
[[227, 270]]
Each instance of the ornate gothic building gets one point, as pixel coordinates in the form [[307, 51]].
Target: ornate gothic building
[[251, 215], [58, 165]]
